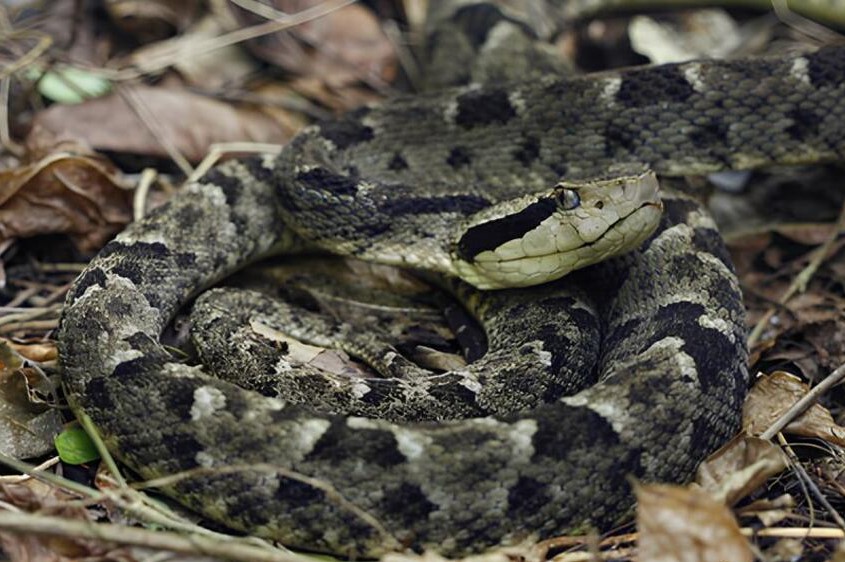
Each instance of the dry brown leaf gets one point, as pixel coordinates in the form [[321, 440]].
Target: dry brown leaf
[[186, 121], [678, 524], [339, 100], [332, 361], [739, 467], [74, 193], [40, 352], [27, 424], [34, 496], [188, 52], [774, 394], [150, 20], [341, 48]]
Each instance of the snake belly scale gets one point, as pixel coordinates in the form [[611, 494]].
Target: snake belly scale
[[409, 178]]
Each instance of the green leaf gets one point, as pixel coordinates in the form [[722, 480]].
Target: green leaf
[[69, 84], [75, 447]]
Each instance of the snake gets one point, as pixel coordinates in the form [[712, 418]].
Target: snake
[[615, 332]]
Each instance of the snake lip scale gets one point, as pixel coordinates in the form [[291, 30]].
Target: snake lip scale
[[652, 349]]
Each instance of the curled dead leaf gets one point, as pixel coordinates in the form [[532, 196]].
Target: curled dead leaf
[[678, 524], [773, 395], [739, 467], [27, 424], [74, 193]]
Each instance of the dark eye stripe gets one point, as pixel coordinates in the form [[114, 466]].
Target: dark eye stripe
[[491, 235]]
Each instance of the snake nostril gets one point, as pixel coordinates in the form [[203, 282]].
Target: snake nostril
[[600, 205]]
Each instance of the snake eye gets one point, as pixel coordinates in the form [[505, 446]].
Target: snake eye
[[568, 199]]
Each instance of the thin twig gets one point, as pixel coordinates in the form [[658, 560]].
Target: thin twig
[[204, 46], [148, 118], [804, 402], [94, 435], [26, 523], [810, 484], [794, 532], [799, 284], [330, 491]]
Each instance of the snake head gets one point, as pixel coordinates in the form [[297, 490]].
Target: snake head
[[542, 237]]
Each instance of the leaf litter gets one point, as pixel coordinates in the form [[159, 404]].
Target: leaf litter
[[183, 77]]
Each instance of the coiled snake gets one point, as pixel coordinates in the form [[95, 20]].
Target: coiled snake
[[446, 181]]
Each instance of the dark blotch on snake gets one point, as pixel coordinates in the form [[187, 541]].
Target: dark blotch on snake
[[492, 234], [805, 124], [527, 496], [459, 157], [397, 163], [297, 494], [90, 278], [528, 151], [826, 67], [620, 138], [410, 501], [348, 130], [712, 134], [481, 108], [322, 180], [652, 86], [336, 446], [460, 204]]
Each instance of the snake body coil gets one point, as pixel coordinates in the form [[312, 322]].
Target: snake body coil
[[390, 183]]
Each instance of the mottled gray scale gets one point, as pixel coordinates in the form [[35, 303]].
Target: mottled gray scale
[[528, 151]]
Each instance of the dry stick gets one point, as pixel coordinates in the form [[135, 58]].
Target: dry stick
[[127, 499], [44, 43], [25, 523], [169, 480], [332, 54], [25, 316], [328, 490], [218, 149], [148, 118], [794, 532], [798, 408], [24, 328], [804, 402], [105, 455], [802, 475], [139, 196], [800, 282], [59, 267], [203, 46]]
